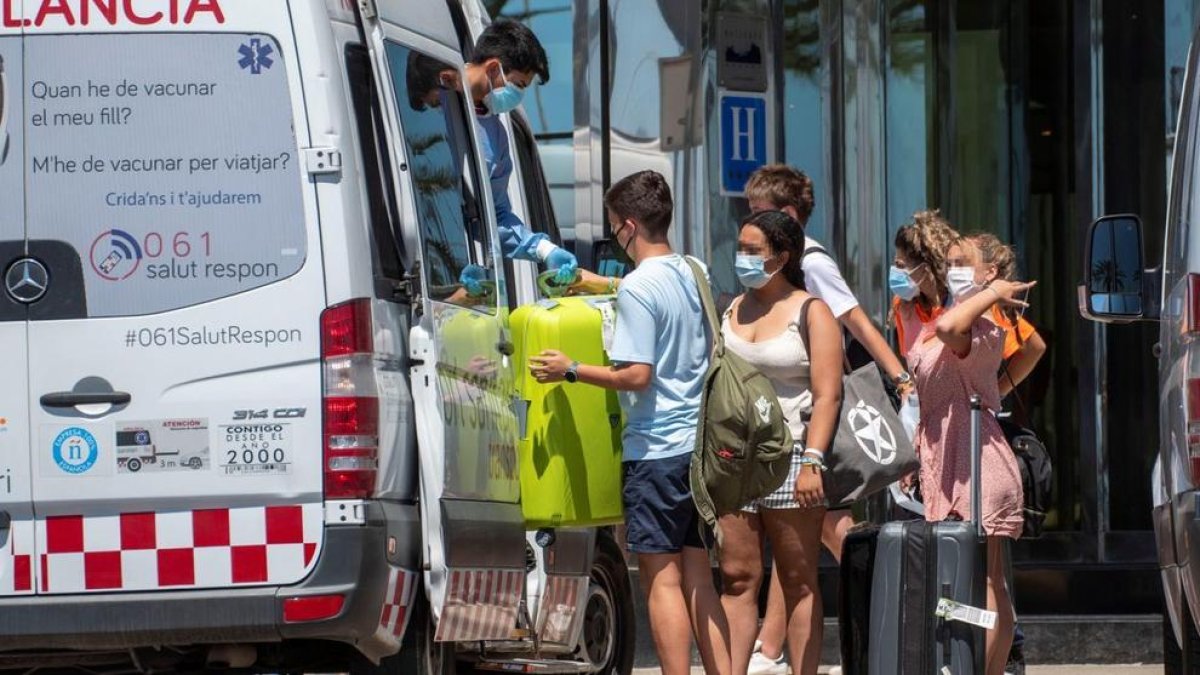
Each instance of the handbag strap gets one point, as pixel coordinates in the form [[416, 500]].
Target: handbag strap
[[802, 326]]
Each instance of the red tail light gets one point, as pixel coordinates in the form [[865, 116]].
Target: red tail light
[[1193, 428], [312, 608], [346, 329], [351, 415]]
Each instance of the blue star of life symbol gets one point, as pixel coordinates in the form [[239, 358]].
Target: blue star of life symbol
[[256, 56]]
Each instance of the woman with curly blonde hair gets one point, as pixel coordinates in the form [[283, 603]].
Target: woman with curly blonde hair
[[918, 277], [954, 352]]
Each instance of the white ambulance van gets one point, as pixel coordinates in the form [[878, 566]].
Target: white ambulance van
[[1118, 289], [231, 233]]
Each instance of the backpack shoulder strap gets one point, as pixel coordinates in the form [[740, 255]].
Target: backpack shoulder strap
[[1014, 393], [706, 299], [814, 249]]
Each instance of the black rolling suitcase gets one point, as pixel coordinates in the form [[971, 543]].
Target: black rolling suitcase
[[896, 579]]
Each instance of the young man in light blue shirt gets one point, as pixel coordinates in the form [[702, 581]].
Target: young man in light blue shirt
[[661, 351]]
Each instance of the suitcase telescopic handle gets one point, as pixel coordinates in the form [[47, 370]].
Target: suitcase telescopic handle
[[977, 463], [549, 286]]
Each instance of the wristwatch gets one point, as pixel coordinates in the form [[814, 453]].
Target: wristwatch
[[572, 374], [902, 380]]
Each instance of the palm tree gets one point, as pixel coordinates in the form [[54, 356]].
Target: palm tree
[[1108, 275]]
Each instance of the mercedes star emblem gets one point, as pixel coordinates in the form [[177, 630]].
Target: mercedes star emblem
[[26, 280]]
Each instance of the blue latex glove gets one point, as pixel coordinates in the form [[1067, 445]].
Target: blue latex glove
[[472, 279], [565, 263]]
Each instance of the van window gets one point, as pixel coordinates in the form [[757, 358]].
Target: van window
[[168, 162], [537, 194], [387, 268], [441, 161]]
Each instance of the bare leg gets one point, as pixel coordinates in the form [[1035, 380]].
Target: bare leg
[[999, 641], [662, 581], [708, 617], [796, 539], [741, 570], [774, 623], [834, 529]]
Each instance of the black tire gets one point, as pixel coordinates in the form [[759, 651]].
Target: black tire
[[1173, 652], [419, 654], [134, 465], [608, 622]]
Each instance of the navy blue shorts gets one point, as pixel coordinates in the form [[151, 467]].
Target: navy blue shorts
[[660, 516]]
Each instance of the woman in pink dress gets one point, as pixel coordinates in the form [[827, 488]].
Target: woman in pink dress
[[953, 355]]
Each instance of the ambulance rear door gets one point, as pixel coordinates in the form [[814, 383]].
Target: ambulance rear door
[[175, 372]]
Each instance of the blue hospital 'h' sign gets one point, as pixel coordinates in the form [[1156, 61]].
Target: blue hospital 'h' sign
[[743, 140]]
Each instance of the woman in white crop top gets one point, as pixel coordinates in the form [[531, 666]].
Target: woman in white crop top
[[762, 326]]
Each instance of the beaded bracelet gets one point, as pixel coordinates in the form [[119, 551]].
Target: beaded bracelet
[[812, 461]]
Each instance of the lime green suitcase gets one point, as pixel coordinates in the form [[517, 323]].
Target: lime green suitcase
[[570, 457]]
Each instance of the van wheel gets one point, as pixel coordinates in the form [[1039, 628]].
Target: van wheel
[[607, 639], [1173, 652], [134, 465]]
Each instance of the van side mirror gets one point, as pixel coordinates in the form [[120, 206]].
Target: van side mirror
[[608, 263], [1114, 288]]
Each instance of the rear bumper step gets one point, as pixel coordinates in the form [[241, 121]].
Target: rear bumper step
[[352, 563], [545, 667]]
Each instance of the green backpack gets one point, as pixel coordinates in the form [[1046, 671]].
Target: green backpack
[[743, 445]]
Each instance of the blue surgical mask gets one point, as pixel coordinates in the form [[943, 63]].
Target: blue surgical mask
[[902, 285], [751, 272], [503, 99]]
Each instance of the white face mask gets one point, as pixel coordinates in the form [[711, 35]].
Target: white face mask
[[961, 282]]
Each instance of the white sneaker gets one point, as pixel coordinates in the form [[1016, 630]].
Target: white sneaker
[[761, 665], [835, 670]]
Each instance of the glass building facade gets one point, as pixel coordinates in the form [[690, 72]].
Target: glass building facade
[[1020, 118]]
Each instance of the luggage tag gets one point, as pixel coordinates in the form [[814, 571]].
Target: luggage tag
[[608, 322], [905, 500], [953, 611]]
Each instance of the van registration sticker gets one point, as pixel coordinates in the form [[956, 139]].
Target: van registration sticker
[[256, 448]]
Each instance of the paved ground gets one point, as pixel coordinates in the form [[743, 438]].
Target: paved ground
[[1031, 670]]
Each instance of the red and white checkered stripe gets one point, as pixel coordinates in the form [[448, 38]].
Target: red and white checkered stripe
[[559, 613], [16, 559], [402, 586], [208, 548], [480, 605]]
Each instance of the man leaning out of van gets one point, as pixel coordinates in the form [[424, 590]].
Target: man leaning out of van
[[507, 57]]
